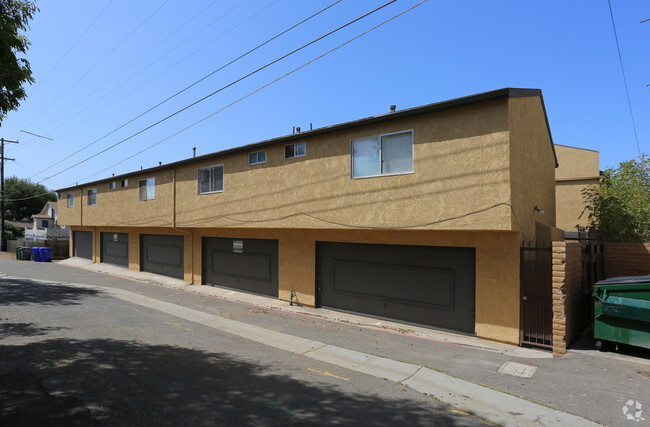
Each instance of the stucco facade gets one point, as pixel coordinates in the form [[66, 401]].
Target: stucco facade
[[480, 166], [578, 169]]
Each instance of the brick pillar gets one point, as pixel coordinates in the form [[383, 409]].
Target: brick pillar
[[559, 298]]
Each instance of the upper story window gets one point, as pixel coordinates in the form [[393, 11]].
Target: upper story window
[[295, 150], [389, 154], [70, 198], [147, 189], [112, 185], [125, 183], [92, 197], [210, 179], [256, 158]]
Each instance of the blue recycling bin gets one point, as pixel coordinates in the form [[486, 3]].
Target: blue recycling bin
[[36, 252], [46, 254]]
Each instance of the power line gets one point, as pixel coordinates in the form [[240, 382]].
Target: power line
[[255, 91], [627, 91], [94, 92], [221, 89], [71, 47], [194, 84], [99, 62]]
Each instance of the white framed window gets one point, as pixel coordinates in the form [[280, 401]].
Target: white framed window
[[125, 183], [295, 150], [210, 179], [112, 185], [92, 197], [388, 154], [257, 157], [147, 189], [70, 198]]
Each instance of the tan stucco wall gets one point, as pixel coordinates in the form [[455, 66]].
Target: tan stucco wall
[[575, 163], [497, 263], [579, 169], [121, 206], [460, 162], [532, 168]]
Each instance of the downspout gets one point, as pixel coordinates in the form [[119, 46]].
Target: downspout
[[178, 229]]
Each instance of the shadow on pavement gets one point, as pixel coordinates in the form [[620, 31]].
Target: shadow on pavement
[[25, 291], [24, 330], [588, 343], [133, 383]]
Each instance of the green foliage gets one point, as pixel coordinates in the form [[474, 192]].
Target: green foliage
[[620, 207], [12, 232], [35, 196], [14, 71]]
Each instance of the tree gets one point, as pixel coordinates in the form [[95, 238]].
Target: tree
[[12, 232], [620, 206], [24, 198], [14, 71]]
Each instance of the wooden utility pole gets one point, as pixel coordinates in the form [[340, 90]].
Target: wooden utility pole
[[3, 241]]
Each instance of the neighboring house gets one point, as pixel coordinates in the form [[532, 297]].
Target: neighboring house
[[45, 223], [578, 169], [416, 215]]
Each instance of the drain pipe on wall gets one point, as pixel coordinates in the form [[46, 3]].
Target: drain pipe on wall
[[178, 229]]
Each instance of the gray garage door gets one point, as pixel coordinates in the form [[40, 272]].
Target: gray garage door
[[162, 254], [83, 244], [115, 248], [247, 264], [421, 284]]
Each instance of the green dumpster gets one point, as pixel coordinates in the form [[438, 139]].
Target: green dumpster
[[19, 253], [622, 311]]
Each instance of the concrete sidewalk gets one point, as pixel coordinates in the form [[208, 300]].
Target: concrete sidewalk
[[458, 369]]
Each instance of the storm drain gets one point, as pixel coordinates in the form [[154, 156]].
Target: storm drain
[[518, 370]]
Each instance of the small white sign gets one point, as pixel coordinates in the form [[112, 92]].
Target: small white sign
[[115, 237], [238, 246]]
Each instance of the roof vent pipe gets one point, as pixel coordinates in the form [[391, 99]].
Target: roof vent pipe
[[297, 129], [392, 108], [294, 130], [310, 126], [159, 163], [194, 152]]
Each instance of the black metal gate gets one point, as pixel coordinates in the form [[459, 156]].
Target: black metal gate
[[593, 270], [536, 323]]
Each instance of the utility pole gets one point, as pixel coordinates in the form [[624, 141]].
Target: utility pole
[[3, 241]]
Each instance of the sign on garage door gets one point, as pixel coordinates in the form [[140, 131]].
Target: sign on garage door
[[422, 284], [247, 264]]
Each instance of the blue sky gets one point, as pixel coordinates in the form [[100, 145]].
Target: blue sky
[[99, 64]]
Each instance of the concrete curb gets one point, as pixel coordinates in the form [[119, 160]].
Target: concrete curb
[[487, 403]]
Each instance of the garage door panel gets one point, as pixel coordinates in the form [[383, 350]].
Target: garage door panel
[[115, 248], [407, 284], [252, 266], [422, 284], [162, 254], [83, 244], [246, 264]]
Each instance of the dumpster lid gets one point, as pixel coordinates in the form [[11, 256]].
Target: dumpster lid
[[625, 280]]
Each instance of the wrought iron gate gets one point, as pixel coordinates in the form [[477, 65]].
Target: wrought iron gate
[[536, 323]]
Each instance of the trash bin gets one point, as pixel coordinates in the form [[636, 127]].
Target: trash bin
[[622, 311], [36, 252], [19, 254], [46, 254], [26, 253]]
